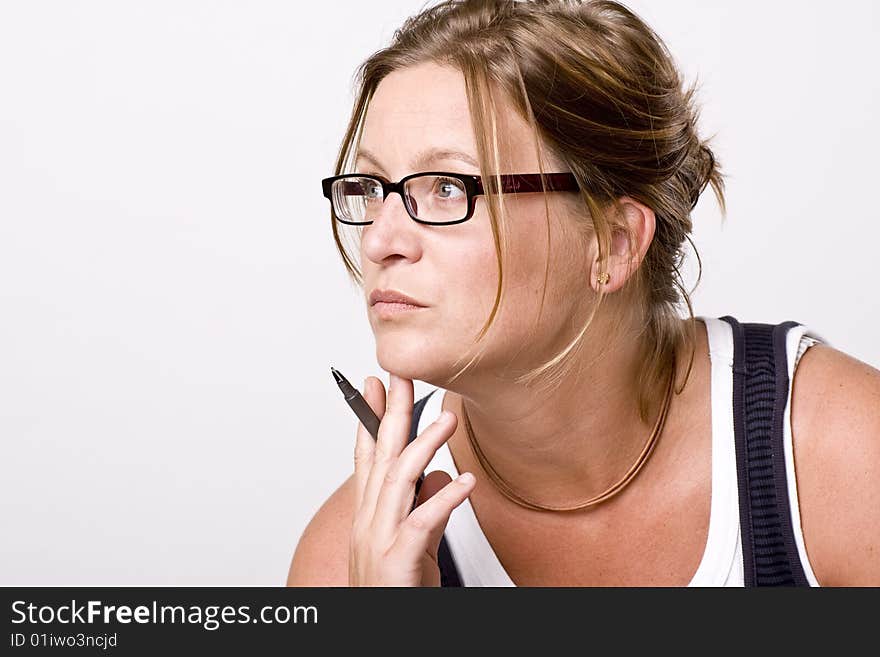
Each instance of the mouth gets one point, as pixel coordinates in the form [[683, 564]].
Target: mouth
[[392, 296], [389, 309]]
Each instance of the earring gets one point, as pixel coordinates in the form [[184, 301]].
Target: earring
[[604, 277]]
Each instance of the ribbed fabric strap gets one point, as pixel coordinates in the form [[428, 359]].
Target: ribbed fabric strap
[[448, 572], [760, 391]]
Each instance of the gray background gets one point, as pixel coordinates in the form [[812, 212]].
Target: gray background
[[171, 301]]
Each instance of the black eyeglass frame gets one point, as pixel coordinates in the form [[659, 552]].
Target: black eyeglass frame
[[512, 183]]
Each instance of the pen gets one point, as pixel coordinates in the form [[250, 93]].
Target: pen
[[366, 415]]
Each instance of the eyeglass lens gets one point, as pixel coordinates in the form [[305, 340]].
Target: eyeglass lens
[[429, 198]]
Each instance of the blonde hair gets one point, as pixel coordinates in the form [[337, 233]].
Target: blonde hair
[[601, 93]]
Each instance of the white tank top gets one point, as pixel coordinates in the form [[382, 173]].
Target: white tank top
[[722, 561]]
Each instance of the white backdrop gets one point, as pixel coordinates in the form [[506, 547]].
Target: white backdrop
[[171, 300]]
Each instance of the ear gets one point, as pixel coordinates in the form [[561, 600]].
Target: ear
[[626, 255]]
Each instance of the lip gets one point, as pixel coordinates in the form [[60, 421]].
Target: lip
[[393, 297], [389, 310]]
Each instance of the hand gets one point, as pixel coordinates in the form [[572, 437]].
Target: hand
[[392, 545]]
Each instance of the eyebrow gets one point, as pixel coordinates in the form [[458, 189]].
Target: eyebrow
[[425, 157]]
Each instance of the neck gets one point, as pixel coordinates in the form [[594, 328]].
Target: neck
[[563, 446]]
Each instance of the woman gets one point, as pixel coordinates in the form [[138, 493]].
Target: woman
[[592, 424]]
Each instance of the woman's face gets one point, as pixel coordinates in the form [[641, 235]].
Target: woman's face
[[452, 269]]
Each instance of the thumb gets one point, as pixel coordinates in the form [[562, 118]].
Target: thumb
[[433, 482]]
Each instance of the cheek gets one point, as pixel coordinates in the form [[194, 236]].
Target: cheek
[[525, 262], [472, 285], [542, 255]]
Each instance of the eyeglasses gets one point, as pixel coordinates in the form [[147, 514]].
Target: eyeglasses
[[437, 198]]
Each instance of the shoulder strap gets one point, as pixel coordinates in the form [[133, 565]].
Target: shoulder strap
[[760, 391], [448, 572]]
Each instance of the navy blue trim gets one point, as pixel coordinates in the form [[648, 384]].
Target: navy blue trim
[[449, 575]]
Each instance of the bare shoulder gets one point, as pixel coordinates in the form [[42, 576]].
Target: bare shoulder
[[835, 416], [321, 555]]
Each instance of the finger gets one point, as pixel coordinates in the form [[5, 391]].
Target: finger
[[393, 435], [365, 444], [395, 498], [422, 530]]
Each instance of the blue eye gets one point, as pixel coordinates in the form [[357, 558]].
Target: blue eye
[[372, 189], [449, 188]]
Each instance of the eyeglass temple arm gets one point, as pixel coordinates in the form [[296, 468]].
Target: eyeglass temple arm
[[530, 182]]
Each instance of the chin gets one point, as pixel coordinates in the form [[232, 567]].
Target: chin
[[409, 359]]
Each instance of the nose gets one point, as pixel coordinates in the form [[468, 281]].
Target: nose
[[394, 206], [392, 233]]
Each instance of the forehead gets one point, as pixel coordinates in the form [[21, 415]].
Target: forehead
[[425, 107], [419, 97]]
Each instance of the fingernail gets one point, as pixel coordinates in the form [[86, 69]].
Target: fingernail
[[465, 478], [364, 389]]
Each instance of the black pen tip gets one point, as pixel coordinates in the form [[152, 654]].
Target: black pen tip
[[336, 375]]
